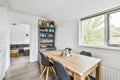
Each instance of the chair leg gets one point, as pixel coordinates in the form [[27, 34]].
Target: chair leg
[[88, 77], [50, 69], [47, 73], [40, 68], [43, 71], [53, 71]]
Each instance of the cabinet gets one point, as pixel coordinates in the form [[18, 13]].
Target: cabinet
[[46, 38]]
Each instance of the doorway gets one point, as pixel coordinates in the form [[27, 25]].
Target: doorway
[[19, 42]]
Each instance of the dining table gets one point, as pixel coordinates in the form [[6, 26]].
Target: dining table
[[78, 66]]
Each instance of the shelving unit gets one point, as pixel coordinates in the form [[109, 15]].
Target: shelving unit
[[46, 38]]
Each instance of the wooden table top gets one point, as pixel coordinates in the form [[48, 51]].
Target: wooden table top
[[79, 64]]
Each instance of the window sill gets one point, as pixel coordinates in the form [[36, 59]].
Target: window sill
[[101, 47]]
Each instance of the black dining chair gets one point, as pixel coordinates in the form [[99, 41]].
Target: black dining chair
[[47, 65], [86, 54], [61, 71]]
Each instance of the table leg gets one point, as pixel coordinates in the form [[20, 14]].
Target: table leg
[[17, 54], [98, 71], [78, 77]]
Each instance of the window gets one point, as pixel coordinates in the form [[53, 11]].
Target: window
[[93, 30], [114, 28], [101, 30]]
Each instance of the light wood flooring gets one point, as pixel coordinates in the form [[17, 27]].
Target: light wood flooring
[[22, 69]]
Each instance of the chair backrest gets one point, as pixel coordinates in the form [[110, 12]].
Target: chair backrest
[[45, 61], [60, 71], [86, 53]]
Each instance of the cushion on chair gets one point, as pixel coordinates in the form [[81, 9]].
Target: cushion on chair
[[61, 71]]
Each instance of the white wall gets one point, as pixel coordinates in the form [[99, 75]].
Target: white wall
[[20, 17], [67, 33], [18, 33], [4, 30], [70, 39]]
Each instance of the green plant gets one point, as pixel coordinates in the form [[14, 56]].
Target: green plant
[[52, 23]]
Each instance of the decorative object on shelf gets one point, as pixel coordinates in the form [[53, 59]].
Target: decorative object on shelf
[[46, 30], [40, 22], [51, 23], [45, 23], [43, 46]]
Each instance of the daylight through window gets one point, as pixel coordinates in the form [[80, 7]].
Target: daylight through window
[[101, 30]]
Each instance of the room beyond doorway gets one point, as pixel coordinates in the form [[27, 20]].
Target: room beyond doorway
[[19, 40]]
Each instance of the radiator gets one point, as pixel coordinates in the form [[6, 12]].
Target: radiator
[[110, 74]]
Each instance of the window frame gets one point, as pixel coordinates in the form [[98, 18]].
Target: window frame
[[82, 31], [106, 29], [108, 40]]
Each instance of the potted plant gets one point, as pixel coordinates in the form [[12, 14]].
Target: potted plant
[[51, 23]]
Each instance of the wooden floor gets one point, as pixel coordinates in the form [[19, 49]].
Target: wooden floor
[[22, 69]]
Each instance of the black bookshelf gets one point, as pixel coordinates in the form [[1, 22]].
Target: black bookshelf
[[46, 37]]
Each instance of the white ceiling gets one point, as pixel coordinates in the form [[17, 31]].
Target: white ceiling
[[3, 0], [62, 11], [36, 7], [76, 9]]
